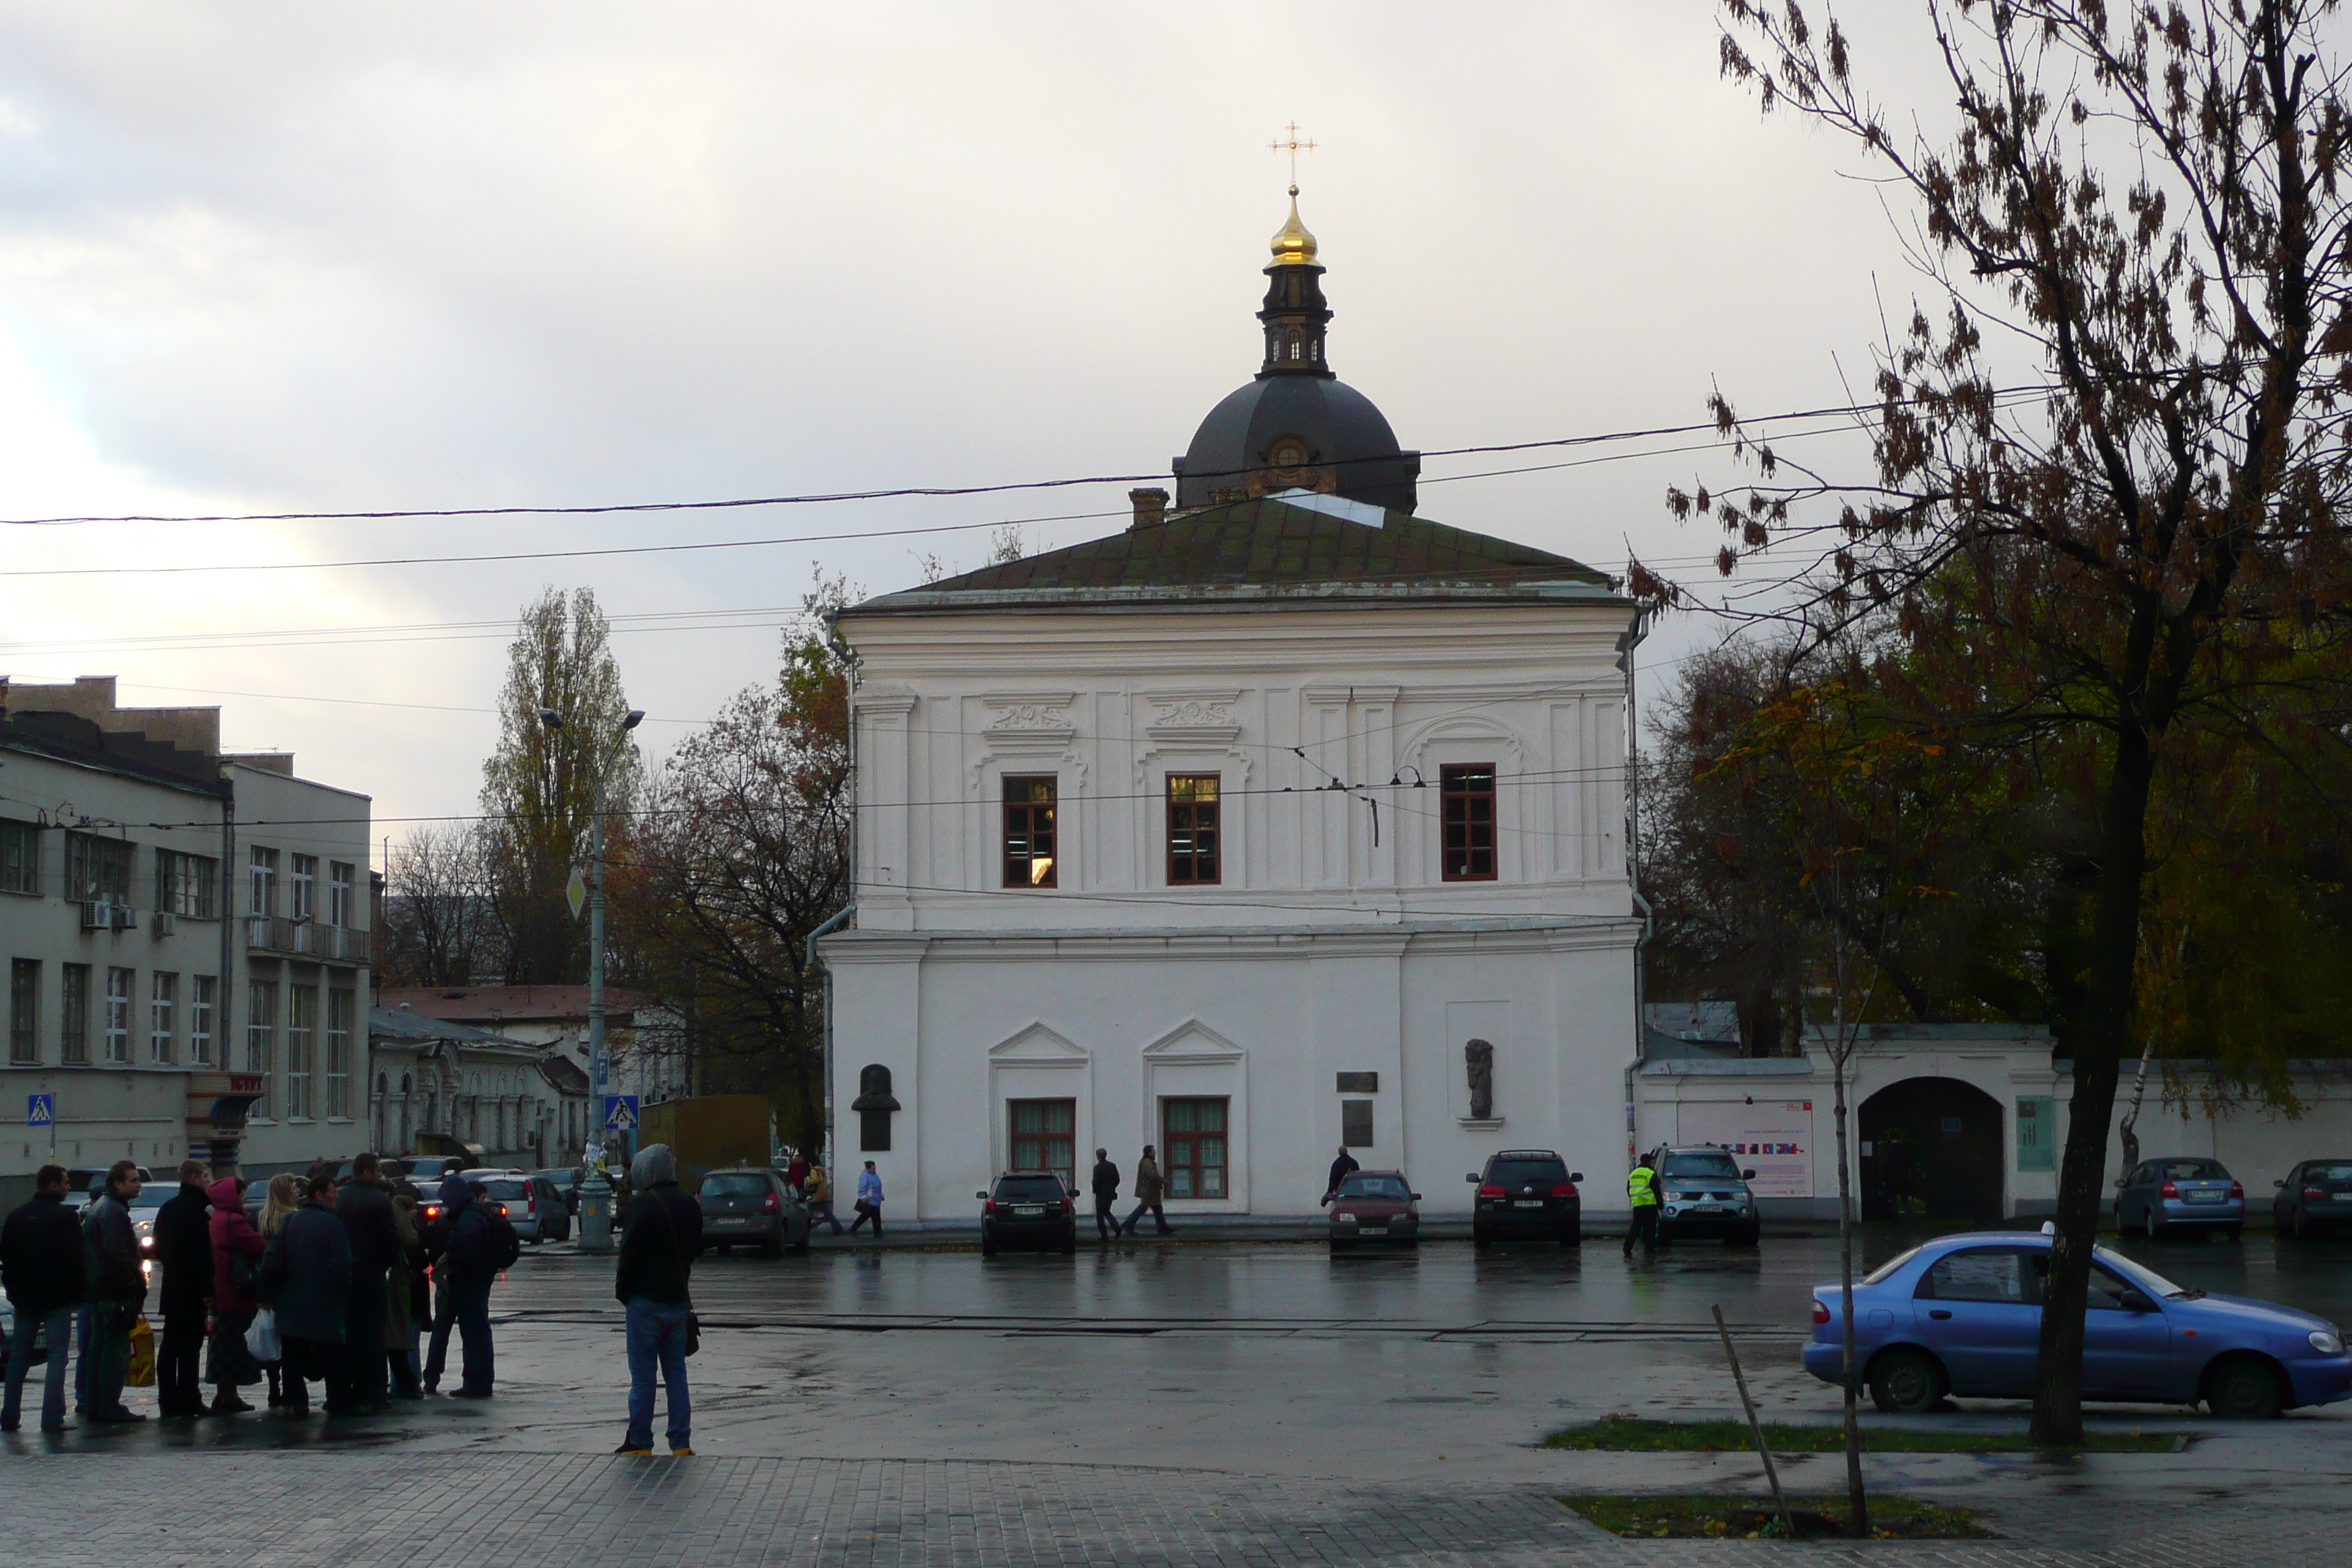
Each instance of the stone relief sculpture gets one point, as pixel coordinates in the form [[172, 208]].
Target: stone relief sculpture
[[1478, 1060], [874, 1105]]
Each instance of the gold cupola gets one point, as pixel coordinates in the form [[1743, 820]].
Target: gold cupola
[[1294, 247]]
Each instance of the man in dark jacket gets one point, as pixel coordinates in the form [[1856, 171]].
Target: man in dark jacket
[[41, 1269], [1341, 1169], [183, 1245], [117, 1288], [306, 1277], [1106, 1196], [466, 1251], [662, 1236], [366, 1212]]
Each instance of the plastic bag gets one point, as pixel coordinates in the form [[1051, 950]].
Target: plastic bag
[[142, 1373], [262, 1338]]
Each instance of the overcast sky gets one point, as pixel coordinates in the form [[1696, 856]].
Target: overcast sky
[[285, 257]]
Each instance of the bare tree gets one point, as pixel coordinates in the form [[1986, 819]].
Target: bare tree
[[439, 925], [2148, 204]]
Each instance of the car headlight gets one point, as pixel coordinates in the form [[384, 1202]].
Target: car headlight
[[1343, 1218], [2326, 1343]]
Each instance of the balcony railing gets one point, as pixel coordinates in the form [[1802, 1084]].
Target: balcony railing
[[305, 939]]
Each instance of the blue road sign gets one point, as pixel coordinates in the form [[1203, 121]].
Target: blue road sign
[[620, 1113], [40, 1111]]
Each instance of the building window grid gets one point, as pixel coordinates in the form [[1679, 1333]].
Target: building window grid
[[73, 1014], [261, 882], [339, 894], [1030, 859], [187, 884], [118, 1014], [23, 1010], [340, 1005], [301, 1032], [20, 856], [303, 888], [97, 870], [1193, 1139], [1195, 833], [261, 1037], [162, 1002], [203, 992], [1045, 1137], [1467, 803]]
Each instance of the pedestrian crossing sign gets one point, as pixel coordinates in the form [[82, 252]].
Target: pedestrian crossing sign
[[40, 1111], [620, 1113]]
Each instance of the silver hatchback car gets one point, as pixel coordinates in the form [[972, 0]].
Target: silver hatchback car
[[2188, 1192]]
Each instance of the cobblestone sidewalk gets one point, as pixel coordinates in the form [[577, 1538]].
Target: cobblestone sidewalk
[[362, 1509]]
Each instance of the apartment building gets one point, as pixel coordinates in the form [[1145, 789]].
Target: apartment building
[[186, 933]]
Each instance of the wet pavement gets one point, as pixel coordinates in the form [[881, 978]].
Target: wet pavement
[[927, 1405]]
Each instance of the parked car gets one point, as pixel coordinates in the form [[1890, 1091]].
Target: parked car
[[566, 1183], [1527, 1192], [1030, 1209], [153, 1195], [532, 1206], [428, 1171], [2317, 1195], [1962, 1315], [257, 1193], [750, 1206], [1703, 1191], [2161, 1195], [1374, 1208]]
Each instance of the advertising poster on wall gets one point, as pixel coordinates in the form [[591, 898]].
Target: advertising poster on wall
[[1772, 1137]]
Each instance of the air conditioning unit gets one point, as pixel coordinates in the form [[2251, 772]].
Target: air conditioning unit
[[125, 918], [97, 914], [165, 922]]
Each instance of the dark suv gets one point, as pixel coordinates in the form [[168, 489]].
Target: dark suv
[[1029, 1208], [1527, 1192], [1704, 1191]]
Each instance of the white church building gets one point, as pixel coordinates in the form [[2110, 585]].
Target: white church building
[[1282, 819]]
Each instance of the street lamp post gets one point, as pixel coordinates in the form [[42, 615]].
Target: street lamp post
[[595, 1193]]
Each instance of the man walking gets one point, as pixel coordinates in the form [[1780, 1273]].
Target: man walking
[[1642, 1191], [1149, 1188], [366, 1212], [660, 1241], [116, 1288], [1106, 1196], [41, 1269], [1341, 1168], [869, 1200], [820, 1201], [183, 1245]]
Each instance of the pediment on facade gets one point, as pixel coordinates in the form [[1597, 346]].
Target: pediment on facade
[[1191, 716], [1037, 1046], [1194, 1041], [1028, 721], [1470, 729]]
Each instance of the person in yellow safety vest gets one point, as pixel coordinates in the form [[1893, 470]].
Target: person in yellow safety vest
[[1642, 1191]]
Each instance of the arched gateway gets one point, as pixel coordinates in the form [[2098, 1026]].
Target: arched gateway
[[1931, 1149]]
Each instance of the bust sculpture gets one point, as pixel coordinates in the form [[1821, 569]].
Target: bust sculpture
[[1478, 1060]]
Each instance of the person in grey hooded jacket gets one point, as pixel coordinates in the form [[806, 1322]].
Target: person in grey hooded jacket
[[662, 1237]]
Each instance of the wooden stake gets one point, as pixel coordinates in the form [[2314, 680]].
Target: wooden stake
[[1755, 1427]]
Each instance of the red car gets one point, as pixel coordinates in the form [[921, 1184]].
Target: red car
[[1375, 1206]]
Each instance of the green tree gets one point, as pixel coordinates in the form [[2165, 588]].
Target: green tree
[[538, 787]]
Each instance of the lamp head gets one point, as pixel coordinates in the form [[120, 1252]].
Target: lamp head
[[550, 719], [636, 717]]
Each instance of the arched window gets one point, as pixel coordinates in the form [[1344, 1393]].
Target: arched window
[[1293, 346]]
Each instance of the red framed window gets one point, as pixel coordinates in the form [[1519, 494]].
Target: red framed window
[[1193, 831], [1466, 802], [1045, 1137], [1029, 848], [1192, 1138]]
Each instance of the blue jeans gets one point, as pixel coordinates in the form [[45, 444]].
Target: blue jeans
[[658, 1332], [56, 1330], [466, 1307]]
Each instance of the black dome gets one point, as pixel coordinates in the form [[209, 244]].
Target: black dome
[[1340, 443]]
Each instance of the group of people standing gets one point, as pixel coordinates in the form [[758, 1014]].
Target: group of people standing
[[335, 1282]]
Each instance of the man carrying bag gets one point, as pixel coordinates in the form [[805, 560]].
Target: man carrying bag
[[659, 1242]]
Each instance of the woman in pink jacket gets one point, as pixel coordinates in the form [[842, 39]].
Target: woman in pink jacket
[[237, 1254]]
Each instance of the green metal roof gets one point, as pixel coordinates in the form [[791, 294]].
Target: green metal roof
[[1312, 547]]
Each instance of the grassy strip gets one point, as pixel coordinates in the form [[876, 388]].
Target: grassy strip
[[1630, 1433], [1749, 1518]]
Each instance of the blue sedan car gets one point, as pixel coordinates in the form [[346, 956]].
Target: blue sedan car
[[1962, 1315]]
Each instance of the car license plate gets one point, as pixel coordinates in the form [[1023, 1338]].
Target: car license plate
[[2207, 1197], [1382, 1228], [1026, 1209], [1528, 1204], [2344, 1197], [1706, 1208], [734, 1219]]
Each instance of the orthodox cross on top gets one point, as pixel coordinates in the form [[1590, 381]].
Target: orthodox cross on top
[[1292, 146]]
